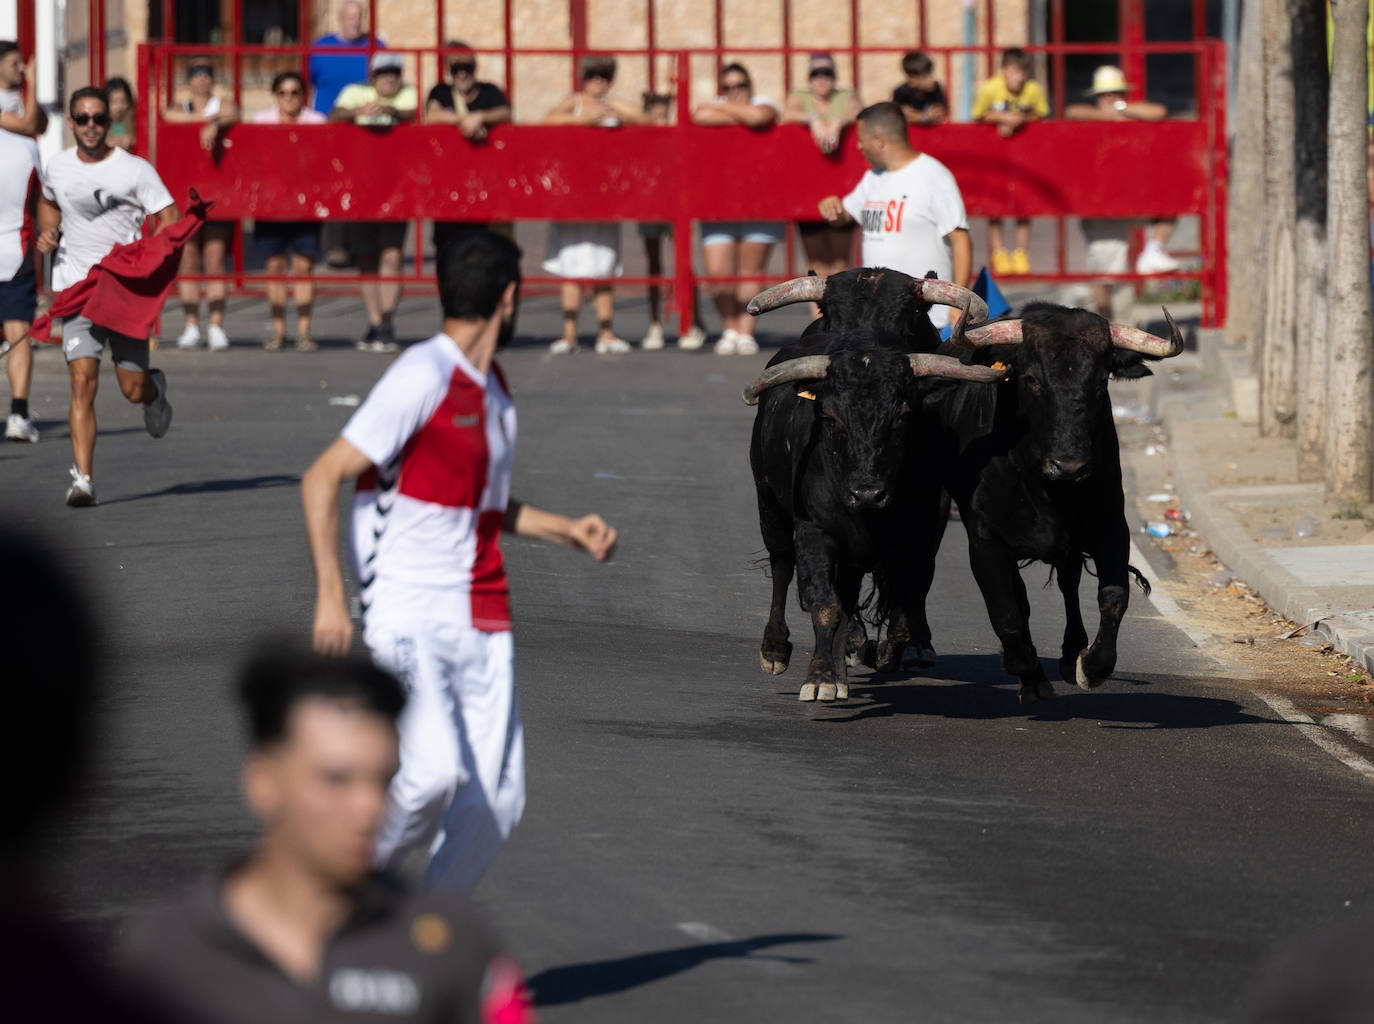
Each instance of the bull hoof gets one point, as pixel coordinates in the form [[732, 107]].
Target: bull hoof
[[826, 692], [1082, 678], [776, 664], [807, 692], [841, 691], [1035, 691], [923, 656]]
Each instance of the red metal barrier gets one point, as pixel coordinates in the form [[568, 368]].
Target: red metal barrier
[[532, 172]]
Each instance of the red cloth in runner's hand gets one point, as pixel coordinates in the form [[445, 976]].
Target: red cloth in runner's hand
[[126, 290]]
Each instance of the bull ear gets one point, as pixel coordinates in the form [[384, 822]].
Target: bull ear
[[1127, 365]]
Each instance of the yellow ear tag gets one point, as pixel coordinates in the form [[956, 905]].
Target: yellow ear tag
[[807, 395], [999, 365]]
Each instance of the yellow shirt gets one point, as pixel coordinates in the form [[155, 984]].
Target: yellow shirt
[[407, 100], [993, 95]]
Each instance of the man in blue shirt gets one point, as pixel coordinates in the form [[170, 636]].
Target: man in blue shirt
[[330, 72]]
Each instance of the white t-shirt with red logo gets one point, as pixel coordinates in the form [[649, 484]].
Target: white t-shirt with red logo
[[20, 178], [905, 215], [427, 516]]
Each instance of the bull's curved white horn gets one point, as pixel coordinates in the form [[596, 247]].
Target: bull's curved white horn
[[923, 364], [802, 368], [946, 293], [1136, 340], [799, 289], [1002, 332]]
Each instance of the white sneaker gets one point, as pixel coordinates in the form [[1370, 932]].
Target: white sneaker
[[563, 347], [612, 346], [727, 344], [189, 337], [157, 414], [82, 492], [692, 340], [653, 341], [20, 428], [1154, 260], [218, 340], [745, 345]]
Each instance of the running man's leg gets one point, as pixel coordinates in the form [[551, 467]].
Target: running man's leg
[[85, 377], [19, 363], [487, 808]]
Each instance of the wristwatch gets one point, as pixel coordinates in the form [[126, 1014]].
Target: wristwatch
[[1119, 105]]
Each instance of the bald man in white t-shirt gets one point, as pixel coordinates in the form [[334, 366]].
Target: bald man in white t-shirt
[[908, 206]]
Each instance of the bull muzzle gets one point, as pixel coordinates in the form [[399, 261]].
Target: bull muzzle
[[815, 367], [1066, 469]]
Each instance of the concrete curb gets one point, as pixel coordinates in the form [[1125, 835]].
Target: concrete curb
[[1350, 631]]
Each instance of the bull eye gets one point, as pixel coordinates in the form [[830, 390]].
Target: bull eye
[[1033, 384]]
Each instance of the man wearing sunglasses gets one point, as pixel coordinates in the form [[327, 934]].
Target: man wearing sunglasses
[[97, 196]]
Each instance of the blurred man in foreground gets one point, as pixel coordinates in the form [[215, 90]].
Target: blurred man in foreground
[[304, 929]]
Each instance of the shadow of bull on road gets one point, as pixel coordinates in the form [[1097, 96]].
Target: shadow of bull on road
[[575, 982]]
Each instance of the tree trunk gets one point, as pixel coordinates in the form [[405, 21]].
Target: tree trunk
[[1244, 227], [1278, 358], [1350, 397], [1311, 84]]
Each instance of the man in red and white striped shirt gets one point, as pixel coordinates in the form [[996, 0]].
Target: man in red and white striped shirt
[[431, 450]]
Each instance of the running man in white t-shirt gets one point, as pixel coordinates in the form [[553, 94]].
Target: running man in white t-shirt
[[431, 450], [20, 181], [96, 196], [908, 206]]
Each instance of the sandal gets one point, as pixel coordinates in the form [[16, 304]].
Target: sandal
[[306, 345], [274, 343]]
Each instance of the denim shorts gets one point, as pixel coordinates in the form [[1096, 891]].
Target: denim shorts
[[275, 237], [717, 232]]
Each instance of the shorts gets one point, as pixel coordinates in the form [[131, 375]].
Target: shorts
[[276, 237], [717, 232], [19, 296], [817, 227], [1108, 249], [82, 339], [370, 237], [460, 790]]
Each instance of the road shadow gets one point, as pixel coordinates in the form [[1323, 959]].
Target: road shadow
[[976, 687], [247, 483], [575, 982]]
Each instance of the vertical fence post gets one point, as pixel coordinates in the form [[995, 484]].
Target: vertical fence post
[[684, 280]]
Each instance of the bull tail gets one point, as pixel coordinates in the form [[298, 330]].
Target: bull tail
[[1140, 579]]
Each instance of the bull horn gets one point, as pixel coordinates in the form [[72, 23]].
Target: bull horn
[[799, 289], [1136, 340], [924, 364], [945, 293], [803, 368], [1002, 332]]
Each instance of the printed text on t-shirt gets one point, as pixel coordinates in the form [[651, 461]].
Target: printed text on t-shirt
[[879, 216]]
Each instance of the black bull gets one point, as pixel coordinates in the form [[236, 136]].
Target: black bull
[[1033, 464]]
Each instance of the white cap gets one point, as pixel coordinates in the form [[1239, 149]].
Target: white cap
[[383, 61]]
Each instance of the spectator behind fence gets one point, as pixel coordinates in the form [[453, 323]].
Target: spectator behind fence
[[471, 107], [589, 249], [19, 109], [656, 111], [908, 206], [737, 247], [921, 98], [300, 238], [828, 110], [384, 102], [122, 117], [205, 253], [1010, 100], [330, 74], [1110, 103], [303, 928]]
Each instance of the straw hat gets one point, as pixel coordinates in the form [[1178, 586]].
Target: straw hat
[[1109, 78]]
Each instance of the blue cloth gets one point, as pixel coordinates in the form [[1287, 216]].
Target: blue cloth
[[331, 72], [986, 289]]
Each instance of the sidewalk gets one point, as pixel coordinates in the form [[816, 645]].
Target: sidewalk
[[1308, 559]]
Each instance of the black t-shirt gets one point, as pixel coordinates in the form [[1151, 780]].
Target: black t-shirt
[[905, 96], [488, 97]]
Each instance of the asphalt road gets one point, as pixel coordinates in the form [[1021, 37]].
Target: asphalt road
[[698, 845]]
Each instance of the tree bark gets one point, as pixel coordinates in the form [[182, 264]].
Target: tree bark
[[1311, 84], [1245, 275], [1350, 396], [1278, 356]]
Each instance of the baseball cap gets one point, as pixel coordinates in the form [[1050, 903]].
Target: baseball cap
[[1109, 78], [821, 62], [383, 61]]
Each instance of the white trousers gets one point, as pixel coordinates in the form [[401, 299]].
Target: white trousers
[[461, 786]]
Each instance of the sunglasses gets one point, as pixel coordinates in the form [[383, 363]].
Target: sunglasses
[[822, 73], [290, 92], [81, 120], [463, 68], [727, 86]]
